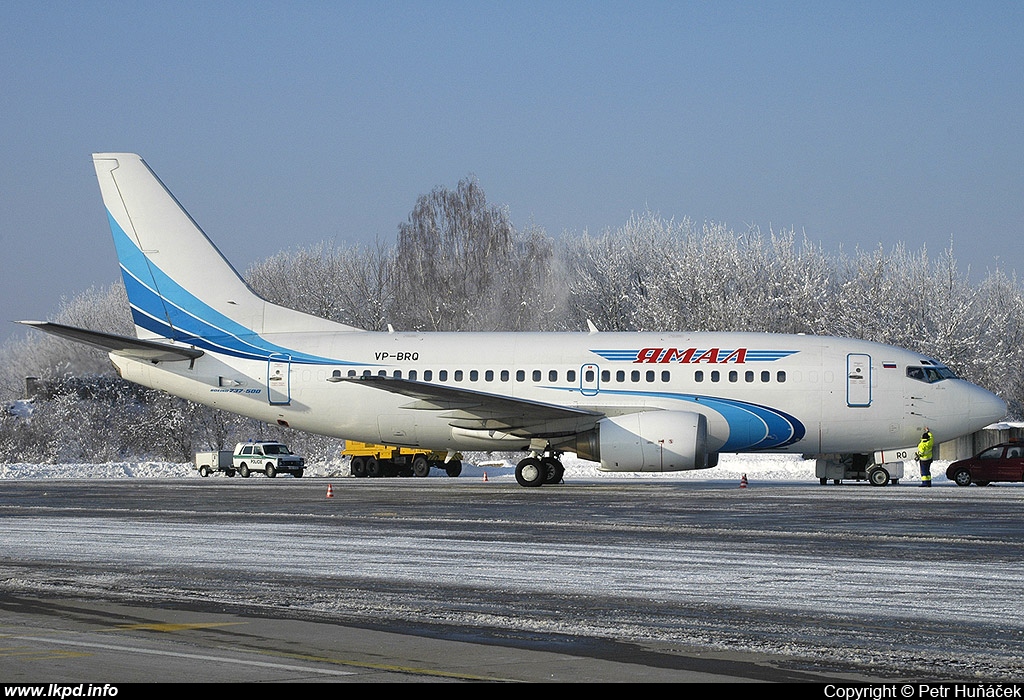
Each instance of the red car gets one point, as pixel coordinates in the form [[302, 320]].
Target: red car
[[1003, 462]]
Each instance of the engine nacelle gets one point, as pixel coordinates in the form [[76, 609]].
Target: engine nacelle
[[651, 441]]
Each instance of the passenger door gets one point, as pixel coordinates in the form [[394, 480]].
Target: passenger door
[[858, 380], [279, 381]]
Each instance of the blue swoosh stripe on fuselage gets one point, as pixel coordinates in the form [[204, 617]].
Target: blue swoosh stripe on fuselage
[[751, 426]]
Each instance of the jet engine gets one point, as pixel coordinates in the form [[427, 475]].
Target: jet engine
[[651, 441]]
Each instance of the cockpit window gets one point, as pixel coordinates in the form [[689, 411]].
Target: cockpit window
[[931, 374]]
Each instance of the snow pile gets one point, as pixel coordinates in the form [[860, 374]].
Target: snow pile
[[769, 467]]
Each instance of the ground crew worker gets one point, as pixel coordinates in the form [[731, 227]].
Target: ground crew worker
[[924, 456]]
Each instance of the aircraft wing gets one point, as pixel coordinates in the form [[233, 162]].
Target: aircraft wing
[[476, 410], [146, 350]]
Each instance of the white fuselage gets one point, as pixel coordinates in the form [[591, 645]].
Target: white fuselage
[[788, 393]]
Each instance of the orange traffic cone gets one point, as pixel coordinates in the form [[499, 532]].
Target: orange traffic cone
[[330, 491], [743, 481], [485, 476]]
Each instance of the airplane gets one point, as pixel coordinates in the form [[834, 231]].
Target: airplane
[[633, 402]]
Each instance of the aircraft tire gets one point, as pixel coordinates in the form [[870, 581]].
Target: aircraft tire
[[878, 477], [530, 472], [554, 471]]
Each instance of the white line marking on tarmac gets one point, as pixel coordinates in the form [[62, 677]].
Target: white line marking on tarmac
[[157, 652]]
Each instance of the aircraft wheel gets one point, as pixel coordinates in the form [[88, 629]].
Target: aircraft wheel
[[878, 477], [530, 472], [554, 471], [453, 468]]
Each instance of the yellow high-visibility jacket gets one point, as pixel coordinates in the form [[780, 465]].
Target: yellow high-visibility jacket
[[925, 447]]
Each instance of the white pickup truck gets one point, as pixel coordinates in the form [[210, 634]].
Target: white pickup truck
[[270, 458]]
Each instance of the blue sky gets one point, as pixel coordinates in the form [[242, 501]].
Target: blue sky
[[282, 124]]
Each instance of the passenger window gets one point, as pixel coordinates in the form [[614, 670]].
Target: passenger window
[[734, 376], [698, 376], [570, 375], [442, 375], [620, 376], [489, 375], [413, 374], [474, 375], [428, 374], [650, 375], [766, 376], [520, 375], [536, 375], [606, 375], [634, 376], [715, 376], [749, 376], [781, 377], [552, 375], [397, 374], [458, 375], [504, 375]]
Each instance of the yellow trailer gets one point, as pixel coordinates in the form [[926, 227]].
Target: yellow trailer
[[369, 459]]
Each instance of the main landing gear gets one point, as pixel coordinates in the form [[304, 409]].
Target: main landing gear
[[537, 471]]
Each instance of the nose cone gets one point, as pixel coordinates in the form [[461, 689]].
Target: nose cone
[[985, 407]]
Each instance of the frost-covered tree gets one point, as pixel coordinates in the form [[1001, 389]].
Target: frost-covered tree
[[354, 286], [462, 266], [38, 354]]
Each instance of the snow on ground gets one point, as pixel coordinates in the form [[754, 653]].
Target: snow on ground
[[475, 466]]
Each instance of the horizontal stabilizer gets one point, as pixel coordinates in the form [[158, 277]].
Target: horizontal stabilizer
[[146, 350]]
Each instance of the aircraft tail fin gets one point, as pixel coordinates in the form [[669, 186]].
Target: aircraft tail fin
[[179, 284]]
